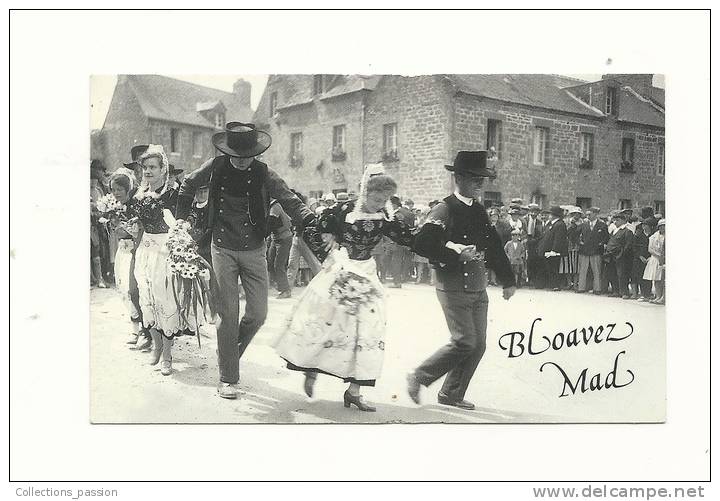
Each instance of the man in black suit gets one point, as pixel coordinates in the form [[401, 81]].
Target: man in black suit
[[554, 246], [399, 255], [619, 251], [534, 226], [460, 242], [593, 237]]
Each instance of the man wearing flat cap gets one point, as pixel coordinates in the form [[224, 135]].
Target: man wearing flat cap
[[241, 188], [619, 256], [460, 243], [593, 237]]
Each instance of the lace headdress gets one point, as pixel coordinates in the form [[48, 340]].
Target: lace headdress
[[157, 151], [358, 211]]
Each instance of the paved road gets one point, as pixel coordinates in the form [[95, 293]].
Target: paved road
[[505, 389]]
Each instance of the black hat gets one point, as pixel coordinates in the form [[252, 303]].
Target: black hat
[[174, 171], [135, 153], [241, 140], [472, 163], [557, 211]]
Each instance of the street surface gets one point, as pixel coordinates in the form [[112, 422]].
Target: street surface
[[125, 389]]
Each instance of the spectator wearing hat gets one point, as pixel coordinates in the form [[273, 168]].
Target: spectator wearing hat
[[569, 263], [341, 197], [641, 288], [655, 268], [399, 255], [352, 196], [534, 228], [515, 251], [516, 222], [619, 255], [99, 242], [554, 246], [593, 237]]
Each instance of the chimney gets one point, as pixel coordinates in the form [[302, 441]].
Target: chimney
[[641, 83], [242, 90]]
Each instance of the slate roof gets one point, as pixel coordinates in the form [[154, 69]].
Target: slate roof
[[169, 99], [541, 91], [294, 90], [637, 109]]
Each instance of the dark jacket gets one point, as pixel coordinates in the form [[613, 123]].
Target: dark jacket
[[453, 221], [593, 240], [620, 244], [554, 239], [272, 184]]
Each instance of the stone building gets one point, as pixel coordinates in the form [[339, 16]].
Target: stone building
[[179, 115], [554, 139]]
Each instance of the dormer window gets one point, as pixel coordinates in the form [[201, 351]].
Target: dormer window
[[318, 85], [219, 119], [611, 101]]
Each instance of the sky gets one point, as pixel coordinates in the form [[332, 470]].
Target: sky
[[102, 86]]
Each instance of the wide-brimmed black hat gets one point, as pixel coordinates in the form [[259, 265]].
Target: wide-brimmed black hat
[[471, 163], [241, 140], [174, 171], [135, 153]]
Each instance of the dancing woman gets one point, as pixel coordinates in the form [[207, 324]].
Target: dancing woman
[[338, 325], [160, 310]]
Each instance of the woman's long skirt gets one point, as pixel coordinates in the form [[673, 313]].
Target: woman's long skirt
[[324, 336]]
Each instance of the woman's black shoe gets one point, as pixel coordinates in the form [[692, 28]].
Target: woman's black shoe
[[357, 401], [310, 378]]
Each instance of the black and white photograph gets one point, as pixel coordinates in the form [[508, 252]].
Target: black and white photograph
[[323, 248], [333, 248]]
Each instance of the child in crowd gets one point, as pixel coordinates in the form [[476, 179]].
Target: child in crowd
[[515, 251]]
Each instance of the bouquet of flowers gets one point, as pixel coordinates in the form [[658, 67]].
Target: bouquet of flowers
[[109, 208], [190, 273], [352, 291]]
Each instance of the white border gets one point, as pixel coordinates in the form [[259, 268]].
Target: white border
[[53, 55]]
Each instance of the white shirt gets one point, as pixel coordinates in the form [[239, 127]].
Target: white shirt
[[463, 199]]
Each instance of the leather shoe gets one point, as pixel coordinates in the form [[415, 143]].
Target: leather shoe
[[227, 390], [413, 388], [462, 404], [284, 295]]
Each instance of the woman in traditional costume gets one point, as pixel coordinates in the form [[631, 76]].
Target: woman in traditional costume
[[338, 325]]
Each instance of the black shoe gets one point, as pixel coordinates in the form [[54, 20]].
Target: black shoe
[[357, 401], [461, 404], [413, 388]]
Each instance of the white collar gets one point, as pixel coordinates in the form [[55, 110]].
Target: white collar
[[201, 205], [463, 199]]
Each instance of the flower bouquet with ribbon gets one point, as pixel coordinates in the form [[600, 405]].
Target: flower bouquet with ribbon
[[109, 209], [352, 291], [190, 273]]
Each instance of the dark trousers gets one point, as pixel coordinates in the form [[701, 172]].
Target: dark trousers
[[610, 275], [233, 337], [552, 271], [278, 260], [623, 265], [466, 316], [397, 265]]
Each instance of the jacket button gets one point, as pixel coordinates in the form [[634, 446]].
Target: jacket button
[[222, 230], [219, 240], [248, 181], [245, 224], [464, 262], [222, 188], [465, 286], [222, 199], [465, 274], [220, 211]]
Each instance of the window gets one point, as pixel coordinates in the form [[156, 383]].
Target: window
[[586, 150], [661, 160], [659, 206], [494, 135], [197, 144], [625, 203], [390, 152], [174, 140], [273, 104], [610, 101], [492, 198], [296, 153], [338, 148], [583, 203], [317, 85], [628, 154], [219, 119], [317, 194], [539, 199], [540, 136]]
